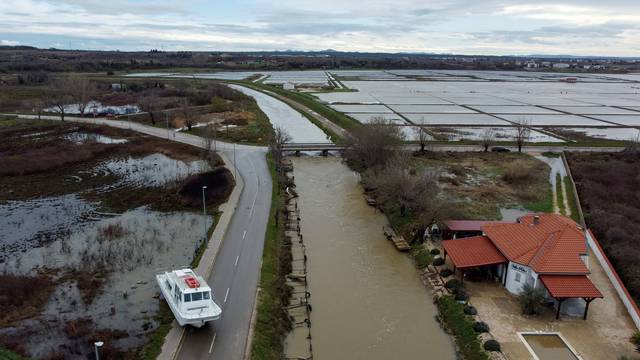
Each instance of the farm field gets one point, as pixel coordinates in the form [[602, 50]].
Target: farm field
[[608, 188], [470, 99]]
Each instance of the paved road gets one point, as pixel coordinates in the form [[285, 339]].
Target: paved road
[[236, 272]]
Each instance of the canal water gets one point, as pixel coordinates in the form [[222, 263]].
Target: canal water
[[284, 116], [368, 301]]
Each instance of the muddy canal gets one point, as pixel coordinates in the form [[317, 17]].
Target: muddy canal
[[368, 301]]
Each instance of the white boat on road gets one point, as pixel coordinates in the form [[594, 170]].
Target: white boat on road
[[189, 297]]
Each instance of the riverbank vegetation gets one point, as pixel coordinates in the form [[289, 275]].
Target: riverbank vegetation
[[608, 184], [272, 319], [461, 326], [415, 189]]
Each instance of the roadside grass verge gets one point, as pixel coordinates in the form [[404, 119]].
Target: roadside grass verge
[[461, 327], [152, 348], [272, 322], [571, 199], [6, 354], [203, 246], [559, 195]]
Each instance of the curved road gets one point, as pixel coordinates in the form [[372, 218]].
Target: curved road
[[236, 271]]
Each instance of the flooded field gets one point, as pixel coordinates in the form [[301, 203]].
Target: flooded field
[[91, 233], [368, 302]]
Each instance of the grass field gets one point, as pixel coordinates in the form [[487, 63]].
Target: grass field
[[478, 184]]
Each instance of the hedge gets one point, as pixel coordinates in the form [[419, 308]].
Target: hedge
[[461, 326]]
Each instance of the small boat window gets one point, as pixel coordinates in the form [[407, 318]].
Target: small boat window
[[187, 297], [205, 295], [196, 296]]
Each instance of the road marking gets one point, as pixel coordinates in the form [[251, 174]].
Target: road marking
[[212, 342], [244, 234], [226, 295], [237, 258]]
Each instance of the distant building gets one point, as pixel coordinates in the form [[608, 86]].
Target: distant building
[[116, 86], [532, 65], [561, 66], [288, 86]]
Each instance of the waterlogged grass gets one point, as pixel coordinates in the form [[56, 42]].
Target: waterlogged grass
[[203, 246], [571, 199], [152, 348], [461, 327], [271, 323]]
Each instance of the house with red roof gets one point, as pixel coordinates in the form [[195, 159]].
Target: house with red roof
[[546, 251]]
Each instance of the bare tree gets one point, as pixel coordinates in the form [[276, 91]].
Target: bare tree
[[523, 132], [37, 105], [187, 113], [151, 105], [210, 138], [634, 144], [488, 138], [278, 140], [58, 97], [81, 90], [422, 136], [399, 187], [373, 145]]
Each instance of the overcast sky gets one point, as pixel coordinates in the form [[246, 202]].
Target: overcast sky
[[578, 27]]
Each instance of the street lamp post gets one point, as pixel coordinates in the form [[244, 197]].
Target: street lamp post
[[96, 345], [204, 212]]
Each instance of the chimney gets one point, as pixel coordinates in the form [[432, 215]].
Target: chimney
[[536, 220]]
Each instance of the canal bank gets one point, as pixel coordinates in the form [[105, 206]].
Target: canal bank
[[367, 301]]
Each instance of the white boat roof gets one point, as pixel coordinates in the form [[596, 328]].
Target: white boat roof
[[179, 277]]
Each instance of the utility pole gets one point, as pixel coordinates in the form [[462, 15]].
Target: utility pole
[[235, 168], [204, 213], [166, 118]]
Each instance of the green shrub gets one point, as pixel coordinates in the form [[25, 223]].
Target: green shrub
[[461, 295], [531, 300], [435, 252], [461, 326], [481, 327], [422, 258], [470, 310], [452, 284], [438, 261], [491, 345], [635, 340], [446, 272]]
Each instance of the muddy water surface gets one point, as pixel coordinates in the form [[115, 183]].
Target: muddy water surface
[[368, 301]]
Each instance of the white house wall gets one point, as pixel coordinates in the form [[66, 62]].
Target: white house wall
[[513, 286]]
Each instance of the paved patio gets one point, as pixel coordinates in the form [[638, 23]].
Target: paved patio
[[604, 335]]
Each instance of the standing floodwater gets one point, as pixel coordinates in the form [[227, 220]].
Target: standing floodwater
[[368, 302]]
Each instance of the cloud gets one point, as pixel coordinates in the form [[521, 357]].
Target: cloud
[[9, 43], [465, 26]]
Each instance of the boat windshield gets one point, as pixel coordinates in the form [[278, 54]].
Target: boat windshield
[[197, 296]]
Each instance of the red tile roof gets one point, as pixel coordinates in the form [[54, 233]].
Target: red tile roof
[[551, 246], [469, 225], [472, 252], [570, 286]]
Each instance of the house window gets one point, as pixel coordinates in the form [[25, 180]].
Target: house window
[[518, 276]]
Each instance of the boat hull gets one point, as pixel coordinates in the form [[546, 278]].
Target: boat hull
[[196, 321]]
